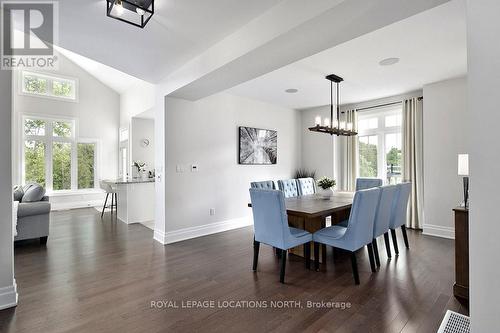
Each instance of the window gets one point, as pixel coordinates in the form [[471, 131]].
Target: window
[[368, 151], [380, 144], [54, 157], [48, 86], [86, 163]]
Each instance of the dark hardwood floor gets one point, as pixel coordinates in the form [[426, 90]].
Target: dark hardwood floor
[[101, 276]]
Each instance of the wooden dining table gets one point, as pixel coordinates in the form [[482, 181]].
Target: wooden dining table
[[310, 213]]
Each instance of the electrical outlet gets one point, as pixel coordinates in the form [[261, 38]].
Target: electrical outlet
[[212, 211], [178, 168], [194, 167]]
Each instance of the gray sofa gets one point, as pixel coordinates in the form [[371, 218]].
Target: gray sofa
[[33, 213]]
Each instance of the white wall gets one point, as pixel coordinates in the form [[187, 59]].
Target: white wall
[[445, 136], [205, 133], [8, 293], [97, 113], [137, 99], [483, 119], [317, 148], [143, 129]]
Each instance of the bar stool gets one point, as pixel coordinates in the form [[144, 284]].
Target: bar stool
[[110, 189]]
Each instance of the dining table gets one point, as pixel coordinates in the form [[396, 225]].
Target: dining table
[[312, 213]]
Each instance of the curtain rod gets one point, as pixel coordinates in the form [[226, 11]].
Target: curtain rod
[[382, 105]]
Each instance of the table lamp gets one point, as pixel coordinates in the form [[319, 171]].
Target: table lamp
[[463, 170]]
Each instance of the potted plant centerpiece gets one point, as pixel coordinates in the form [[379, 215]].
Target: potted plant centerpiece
[[325, 187], [141, 169]]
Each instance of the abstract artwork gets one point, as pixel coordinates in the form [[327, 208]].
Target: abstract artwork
[[258, 146]]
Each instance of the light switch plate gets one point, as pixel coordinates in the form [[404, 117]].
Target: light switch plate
[[178, 168]]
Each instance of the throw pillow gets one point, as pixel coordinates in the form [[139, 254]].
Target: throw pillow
[[34, 193], [18, 193]]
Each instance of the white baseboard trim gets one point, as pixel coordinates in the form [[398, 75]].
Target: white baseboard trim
[[75, 204], [439, 231], [202, 230], [8, 296]]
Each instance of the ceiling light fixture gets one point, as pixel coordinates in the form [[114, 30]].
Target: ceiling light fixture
[[337, 127], [117, 9], [291, 91], [388, 61]]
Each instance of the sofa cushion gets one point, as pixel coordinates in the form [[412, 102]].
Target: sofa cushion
[[33, 193], [33, 208], [18, 193]]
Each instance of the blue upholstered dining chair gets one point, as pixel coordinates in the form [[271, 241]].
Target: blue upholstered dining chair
[[265, 185], [271, 227], [383, 218], [398, 215], [306, 186], [357, 234], [289, 187], [366, 183]]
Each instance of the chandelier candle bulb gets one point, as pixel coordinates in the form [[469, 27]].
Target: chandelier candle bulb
[[317, 121], [342, 125], [326, 122], [335, 124], [349, 126]]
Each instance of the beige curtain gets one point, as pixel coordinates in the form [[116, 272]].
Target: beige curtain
[[413, 159], [350, 153]]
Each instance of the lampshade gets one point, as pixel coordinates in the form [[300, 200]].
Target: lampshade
[[463, 164]]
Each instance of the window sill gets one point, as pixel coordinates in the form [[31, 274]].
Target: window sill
[[74, 192]]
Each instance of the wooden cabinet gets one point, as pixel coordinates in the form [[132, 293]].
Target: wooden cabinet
[[461, 286]]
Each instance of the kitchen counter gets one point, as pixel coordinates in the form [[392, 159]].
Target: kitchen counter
[[136, 199], [130, 181]]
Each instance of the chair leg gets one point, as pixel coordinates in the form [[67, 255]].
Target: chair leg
[[375, 252], [333, 254], [278, 252], [354, 264], [316, 257], [43, 240], [405, 236], [116, 202], [283, 266], [394, 241], [387, 245], [256, 247], [369, 247], [307, 254], [104, 207]]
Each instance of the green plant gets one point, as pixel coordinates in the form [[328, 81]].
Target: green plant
[[326, 183], [140, 166], [305, 173]]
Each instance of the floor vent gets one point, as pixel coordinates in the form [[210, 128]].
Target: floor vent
[[454, 323]]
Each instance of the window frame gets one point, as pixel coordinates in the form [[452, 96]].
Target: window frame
[[50, 79], [381, 131], [48, 139]]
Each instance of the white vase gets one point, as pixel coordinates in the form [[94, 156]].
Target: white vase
[[325, 193]]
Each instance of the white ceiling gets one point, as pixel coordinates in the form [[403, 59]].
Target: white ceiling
[[179, 30], [431, 45], [113, 78]]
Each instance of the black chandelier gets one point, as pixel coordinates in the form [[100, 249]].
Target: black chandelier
[[135, 12], [331, 126]]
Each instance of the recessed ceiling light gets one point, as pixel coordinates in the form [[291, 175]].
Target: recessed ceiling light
[[291, 91], [388, 61]]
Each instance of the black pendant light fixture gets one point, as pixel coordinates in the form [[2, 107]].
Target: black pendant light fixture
[[334, 126], [135, 12]]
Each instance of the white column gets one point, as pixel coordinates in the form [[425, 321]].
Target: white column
[[160, 164], [484, 119], [8, 293]]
